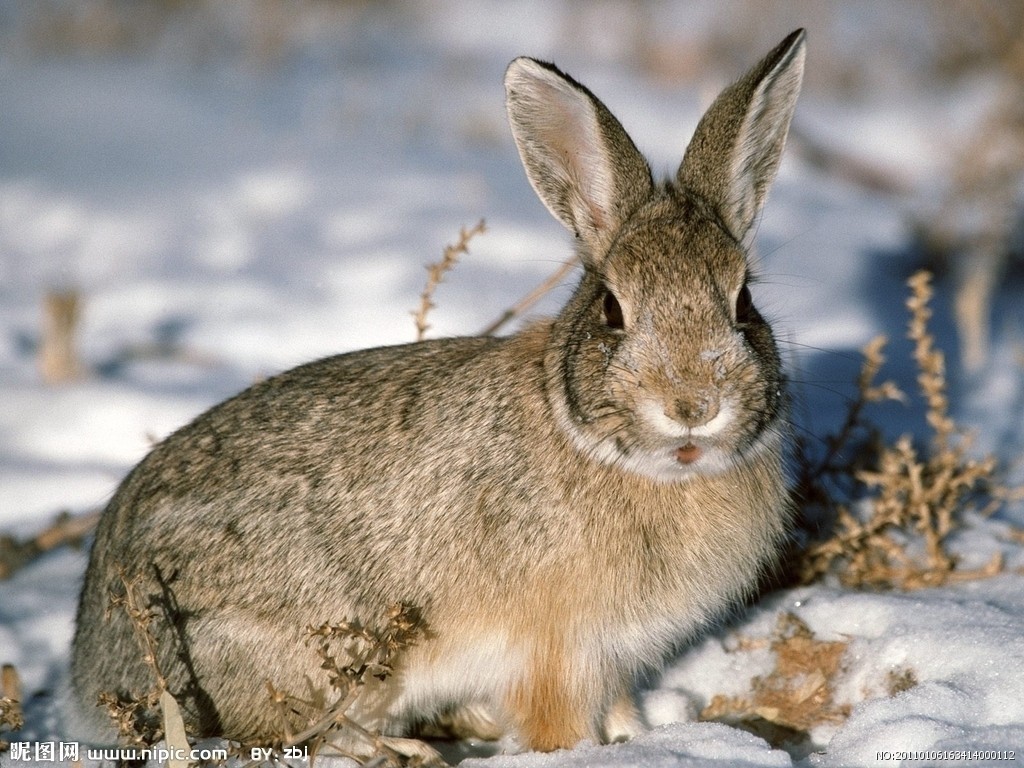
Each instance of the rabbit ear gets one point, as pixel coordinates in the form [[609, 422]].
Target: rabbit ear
[[578, 158], [735, 150]]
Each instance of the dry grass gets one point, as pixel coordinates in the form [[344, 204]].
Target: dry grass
[[11, 716], [145, 718], [896, 505], [899, 680], [58, 355], [535, 295], [352, 655], [65, 530], [367, 655], [800, 692], [797, 695], [436, 272]]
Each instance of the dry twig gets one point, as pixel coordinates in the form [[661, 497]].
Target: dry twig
[[134, 715], [58, 357], [11, 716], [369, 655], [436, 272], [530, 299], [67, 529], [844, 450]]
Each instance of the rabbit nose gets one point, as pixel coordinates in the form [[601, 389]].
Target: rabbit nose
[[694, 410]]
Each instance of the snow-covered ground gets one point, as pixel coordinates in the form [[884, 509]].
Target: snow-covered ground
[[256, 213]]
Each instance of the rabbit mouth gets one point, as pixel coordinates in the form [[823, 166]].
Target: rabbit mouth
[[682, 461], [653, 445], [688, 454], [682, 449]]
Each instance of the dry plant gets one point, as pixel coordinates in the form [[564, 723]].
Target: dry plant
[[66, 530], [820, 481], [11, 716], [899, 680], [450, 258], [58, 357], [436, 272], [58, 360], [899, 498], [135, 715], [531, 298], [369, 655], [797, 695]]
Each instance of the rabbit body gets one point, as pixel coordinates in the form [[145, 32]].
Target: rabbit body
[[563, 507]]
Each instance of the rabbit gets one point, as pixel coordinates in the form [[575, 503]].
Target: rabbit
[[564, 507]]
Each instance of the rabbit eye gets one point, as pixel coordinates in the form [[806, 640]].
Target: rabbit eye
[[613, 312], [744, 305]]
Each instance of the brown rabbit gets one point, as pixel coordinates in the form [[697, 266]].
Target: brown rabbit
[[564, 506]]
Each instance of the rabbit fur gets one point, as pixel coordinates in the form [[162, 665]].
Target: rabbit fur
[[564, 506]]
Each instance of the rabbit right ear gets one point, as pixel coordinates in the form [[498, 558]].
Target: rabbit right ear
[[578, 157], [735, 151]]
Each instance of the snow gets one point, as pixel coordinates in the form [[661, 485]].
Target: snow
[[679, 744], [259, 215]]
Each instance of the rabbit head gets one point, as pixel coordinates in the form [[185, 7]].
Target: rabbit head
[[666, 367]]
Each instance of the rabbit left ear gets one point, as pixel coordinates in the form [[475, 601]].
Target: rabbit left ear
[[578, 158], [735, 151]]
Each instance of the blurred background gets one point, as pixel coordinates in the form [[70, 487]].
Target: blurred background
[[195, 194]]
